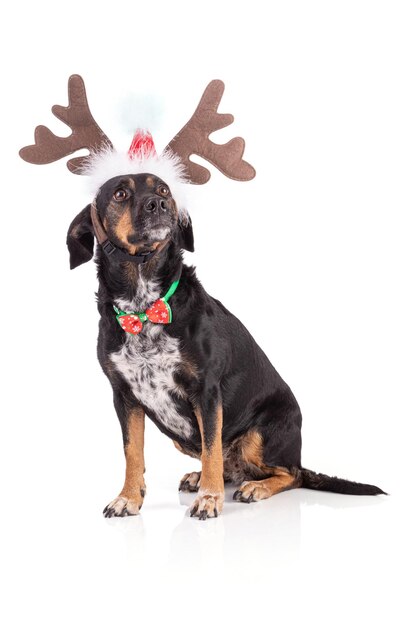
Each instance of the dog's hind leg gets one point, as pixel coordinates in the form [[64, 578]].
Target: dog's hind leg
[[254, 490], [270, 480]]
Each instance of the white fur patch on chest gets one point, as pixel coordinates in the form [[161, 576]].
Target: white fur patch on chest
[[148, 362]]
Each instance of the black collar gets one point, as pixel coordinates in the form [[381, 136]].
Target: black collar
[[114, 252]]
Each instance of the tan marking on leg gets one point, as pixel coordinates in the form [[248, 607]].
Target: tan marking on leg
[[277, 478], [131, 497], [255, 490], [252, 448], [209, 501], [134, 453], [252, 452], [212, 456]]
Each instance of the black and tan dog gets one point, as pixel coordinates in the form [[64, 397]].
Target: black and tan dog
[[188, 364], [202, 378]]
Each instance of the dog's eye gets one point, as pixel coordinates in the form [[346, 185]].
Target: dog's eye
[[120, 195], [163, 190]]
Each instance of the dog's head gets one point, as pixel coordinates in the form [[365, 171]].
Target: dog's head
[[138, 213]]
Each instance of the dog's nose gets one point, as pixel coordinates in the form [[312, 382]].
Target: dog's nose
[[155, 203]]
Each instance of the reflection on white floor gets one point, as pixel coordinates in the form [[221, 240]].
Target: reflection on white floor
[[302, 556], [284, 554], [267, 532]]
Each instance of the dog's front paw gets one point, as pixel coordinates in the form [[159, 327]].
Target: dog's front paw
[[207, 505], [190, 482], [122, 506]]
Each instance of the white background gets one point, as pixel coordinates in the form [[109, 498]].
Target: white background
[[316, 256]]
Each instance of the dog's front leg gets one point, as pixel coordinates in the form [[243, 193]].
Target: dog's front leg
[[130, 499], [210, 497]]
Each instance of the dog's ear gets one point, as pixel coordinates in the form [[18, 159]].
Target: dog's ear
[[80, 238], [185, 236]]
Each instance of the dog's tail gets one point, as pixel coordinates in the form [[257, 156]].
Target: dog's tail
[[321, 482]]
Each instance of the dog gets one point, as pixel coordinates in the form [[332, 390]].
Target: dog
[[201, 378], [170, 350]]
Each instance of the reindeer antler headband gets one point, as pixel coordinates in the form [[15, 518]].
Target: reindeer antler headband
[[173, 165]]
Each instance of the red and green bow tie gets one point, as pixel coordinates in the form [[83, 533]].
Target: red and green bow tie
[[158, 313]]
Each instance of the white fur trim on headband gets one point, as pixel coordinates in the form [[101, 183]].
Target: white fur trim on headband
[[106, 164]]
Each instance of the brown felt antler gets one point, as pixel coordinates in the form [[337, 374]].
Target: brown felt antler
[[193, 138], [85, 132]]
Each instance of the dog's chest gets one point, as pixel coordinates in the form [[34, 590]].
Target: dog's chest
[[148, 363]]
